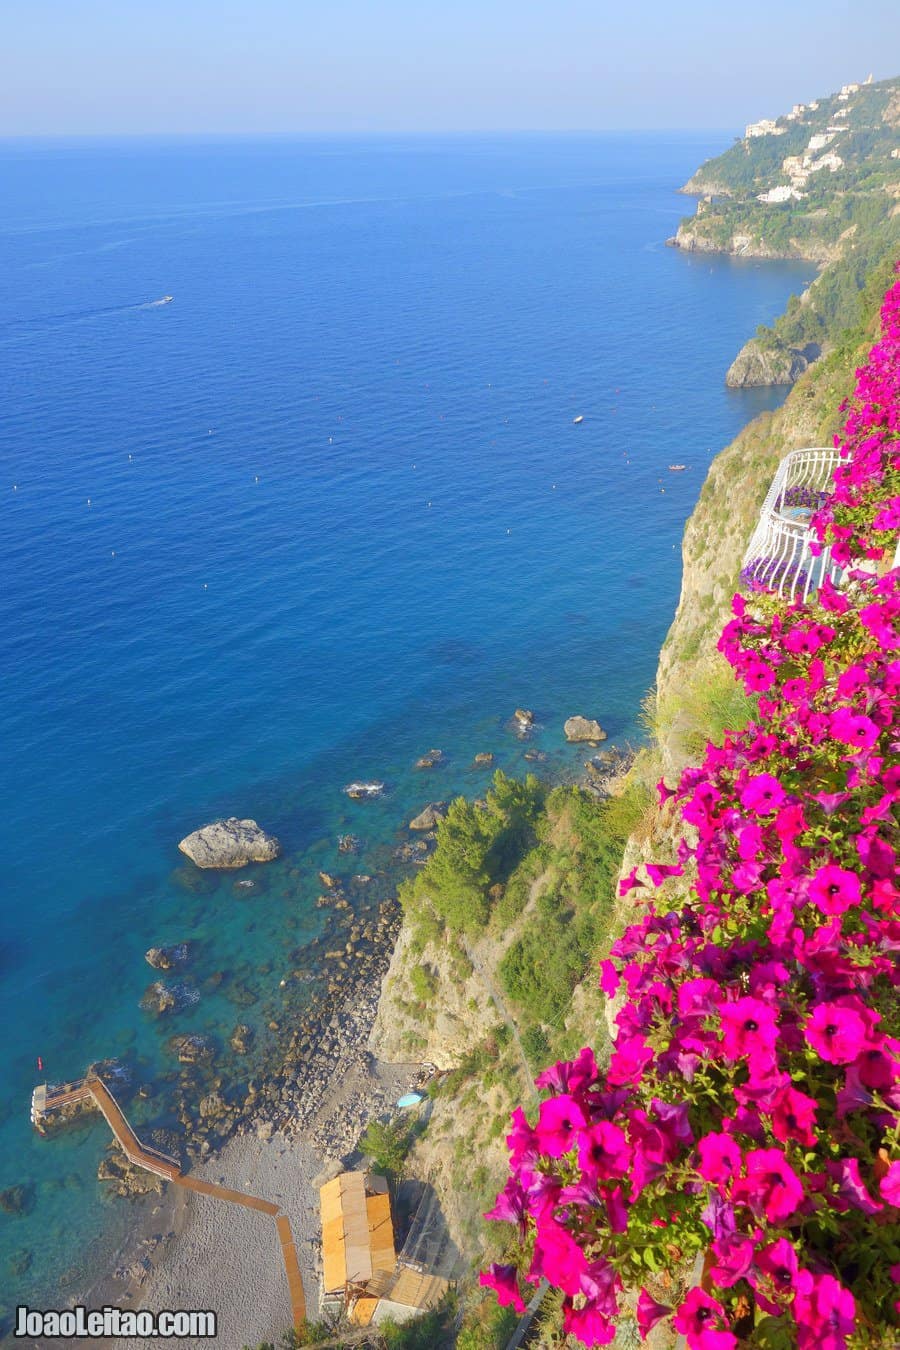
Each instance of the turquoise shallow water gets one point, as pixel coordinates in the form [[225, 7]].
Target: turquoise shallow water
[[324, 511]]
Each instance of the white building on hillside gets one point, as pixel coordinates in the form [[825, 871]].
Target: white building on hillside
[[820, 140], [782, 193], [767, 127], [830, 161]]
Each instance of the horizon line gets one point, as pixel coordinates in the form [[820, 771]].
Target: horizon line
[[360, 133]]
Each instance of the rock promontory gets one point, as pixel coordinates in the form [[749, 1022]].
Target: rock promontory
[[758, 364], [230, 843]]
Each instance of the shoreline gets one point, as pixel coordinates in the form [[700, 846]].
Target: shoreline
[[243, 1278]]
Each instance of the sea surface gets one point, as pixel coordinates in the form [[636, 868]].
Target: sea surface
[[324, 510]]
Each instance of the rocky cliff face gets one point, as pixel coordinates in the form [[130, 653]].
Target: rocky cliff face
[[758, 364], [700, 235]]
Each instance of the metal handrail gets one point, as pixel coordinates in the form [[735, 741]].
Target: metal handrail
[[779, 556]]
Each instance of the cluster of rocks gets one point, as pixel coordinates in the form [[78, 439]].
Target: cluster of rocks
[[430, 759], [328, 1038], [603, 771], [124, 1178]]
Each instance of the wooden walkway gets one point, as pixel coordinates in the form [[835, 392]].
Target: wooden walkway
[[152, 1160]]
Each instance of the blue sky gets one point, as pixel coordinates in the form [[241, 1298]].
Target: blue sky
[[122, 66]]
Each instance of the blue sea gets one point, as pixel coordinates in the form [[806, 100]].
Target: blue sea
[[326, 509]]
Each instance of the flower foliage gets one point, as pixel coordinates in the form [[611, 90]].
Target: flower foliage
[[750, 1108], [861, 517]]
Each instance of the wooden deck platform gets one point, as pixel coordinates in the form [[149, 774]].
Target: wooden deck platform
[[46, 1100]]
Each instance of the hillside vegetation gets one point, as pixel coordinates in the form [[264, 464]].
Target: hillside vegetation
[[844, 214]]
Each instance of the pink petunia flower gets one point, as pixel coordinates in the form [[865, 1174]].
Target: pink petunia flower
[[834, 890], [749, 1028], [762, 794], [699, 1319], [853, 728], [794, 1117], [824, 1311], [559, 1121], [771, 1186], [720, 1158], [890, 1185], [649, 1312], [603, 1151], [836, 1032], [505, 1284], [775, 1275]]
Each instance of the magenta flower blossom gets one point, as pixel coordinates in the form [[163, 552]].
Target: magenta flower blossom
[[699, 1319], [775, 1276], [853, 728], [834, 890], [794, 1117], [588, 1323], [890, 1185], [749, 1028], [505, 1284], [763, 794], [649, 1312], [852, 1190], [836, 1032], [825, 1312], [771, 1186], [720, 1158], [559, 1121], [603, 1151]]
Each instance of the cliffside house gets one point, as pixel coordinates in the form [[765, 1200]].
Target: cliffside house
[[820, 140], [767, 127]]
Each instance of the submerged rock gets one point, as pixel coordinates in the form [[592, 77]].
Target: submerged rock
[[427, 819], [17, 1200], [159, 998], [241, 1039], [360, 791], [164, 958], [430, 759], [484, 758], [230, 843], [584, 729], [191, 1049], [349, 843]]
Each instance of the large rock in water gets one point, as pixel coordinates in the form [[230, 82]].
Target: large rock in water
[[427, 819], [584, 729], [757, 365], [230, 843]]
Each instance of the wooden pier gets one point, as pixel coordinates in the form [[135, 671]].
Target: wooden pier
[[46, 1099]]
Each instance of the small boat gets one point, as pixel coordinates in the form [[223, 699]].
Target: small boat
[[677, 468], [166, 300], [576, 420], [411, 1099], [359, 791]]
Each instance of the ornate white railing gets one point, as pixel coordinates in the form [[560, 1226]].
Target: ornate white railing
[[778, 556]]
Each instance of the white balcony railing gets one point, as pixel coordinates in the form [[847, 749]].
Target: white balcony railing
[[778, 556]]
